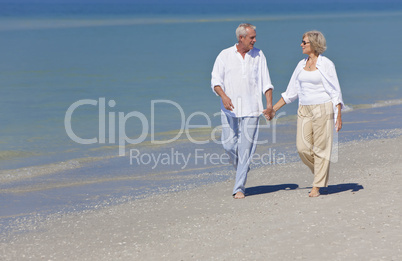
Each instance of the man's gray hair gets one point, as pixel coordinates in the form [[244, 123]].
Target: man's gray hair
[[241, 30]]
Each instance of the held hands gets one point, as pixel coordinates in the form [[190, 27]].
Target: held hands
[[269, 113]]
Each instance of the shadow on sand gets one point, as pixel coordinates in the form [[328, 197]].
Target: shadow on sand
[[333, 189], [269, 189]]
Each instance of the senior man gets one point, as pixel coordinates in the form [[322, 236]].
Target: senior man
[[240, 77]]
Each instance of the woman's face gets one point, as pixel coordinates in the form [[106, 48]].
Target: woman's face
[[306, 46]]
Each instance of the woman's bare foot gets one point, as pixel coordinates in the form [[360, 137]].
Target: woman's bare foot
[[315, 192], [239, 195]]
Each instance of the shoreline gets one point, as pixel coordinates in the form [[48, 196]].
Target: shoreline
[[105, 151], [80, 185], [352, 218]]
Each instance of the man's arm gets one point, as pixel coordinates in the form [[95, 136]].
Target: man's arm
[[227, 102], [269, 113]]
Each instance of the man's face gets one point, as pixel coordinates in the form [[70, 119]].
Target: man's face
[[247, 42]]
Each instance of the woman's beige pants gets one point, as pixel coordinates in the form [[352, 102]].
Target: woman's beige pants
[[315, 126]]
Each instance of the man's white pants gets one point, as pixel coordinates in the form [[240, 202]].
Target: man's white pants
[[239, 139]]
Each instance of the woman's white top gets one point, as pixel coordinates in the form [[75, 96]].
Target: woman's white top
[[329, 80], [312, 90]]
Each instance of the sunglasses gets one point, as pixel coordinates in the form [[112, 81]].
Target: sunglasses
[[304, 42]]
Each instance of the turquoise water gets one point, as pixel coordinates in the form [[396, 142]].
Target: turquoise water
[[155, 63], [53, 57]]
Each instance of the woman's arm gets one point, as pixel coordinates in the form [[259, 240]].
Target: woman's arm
[[279, 104], [338, 123]]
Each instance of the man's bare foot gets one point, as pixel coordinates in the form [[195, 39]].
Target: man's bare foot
[[315, 192], [239, 195]]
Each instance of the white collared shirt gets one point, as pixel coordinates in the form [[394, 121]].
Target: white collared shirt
[[329, 80], [244, 81]]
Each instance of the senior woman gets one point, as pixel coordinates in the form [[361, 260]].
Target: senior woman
[[315, 83]]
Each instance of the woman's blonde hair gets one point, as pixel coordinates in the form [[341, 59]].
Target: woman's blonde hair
[[317, 41]]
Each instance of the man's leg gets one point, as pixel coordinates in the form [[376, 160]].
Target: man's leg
[[248, 135], [230, 131]]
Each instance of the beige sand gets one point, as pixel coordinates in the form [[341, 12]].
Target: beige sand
[[358, 219]]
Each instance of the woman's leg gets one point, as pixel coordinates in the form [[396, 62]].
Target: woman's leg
[[323, 127], [304, 137], [314, 141]]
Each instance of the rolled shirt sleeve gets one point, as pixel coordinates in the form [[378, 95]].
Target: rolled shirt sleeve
[[333, 88], [292, 91], [265, 78], [217, 75]]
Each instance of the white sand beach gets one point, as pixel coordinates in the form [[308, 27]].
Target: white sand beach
[[358, 217]]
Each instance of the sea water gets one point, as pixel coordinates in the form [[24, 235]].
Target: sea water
[[79, 83]]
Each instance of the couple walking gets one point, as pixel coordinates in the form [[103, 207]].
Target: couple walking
[[240, 77]]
